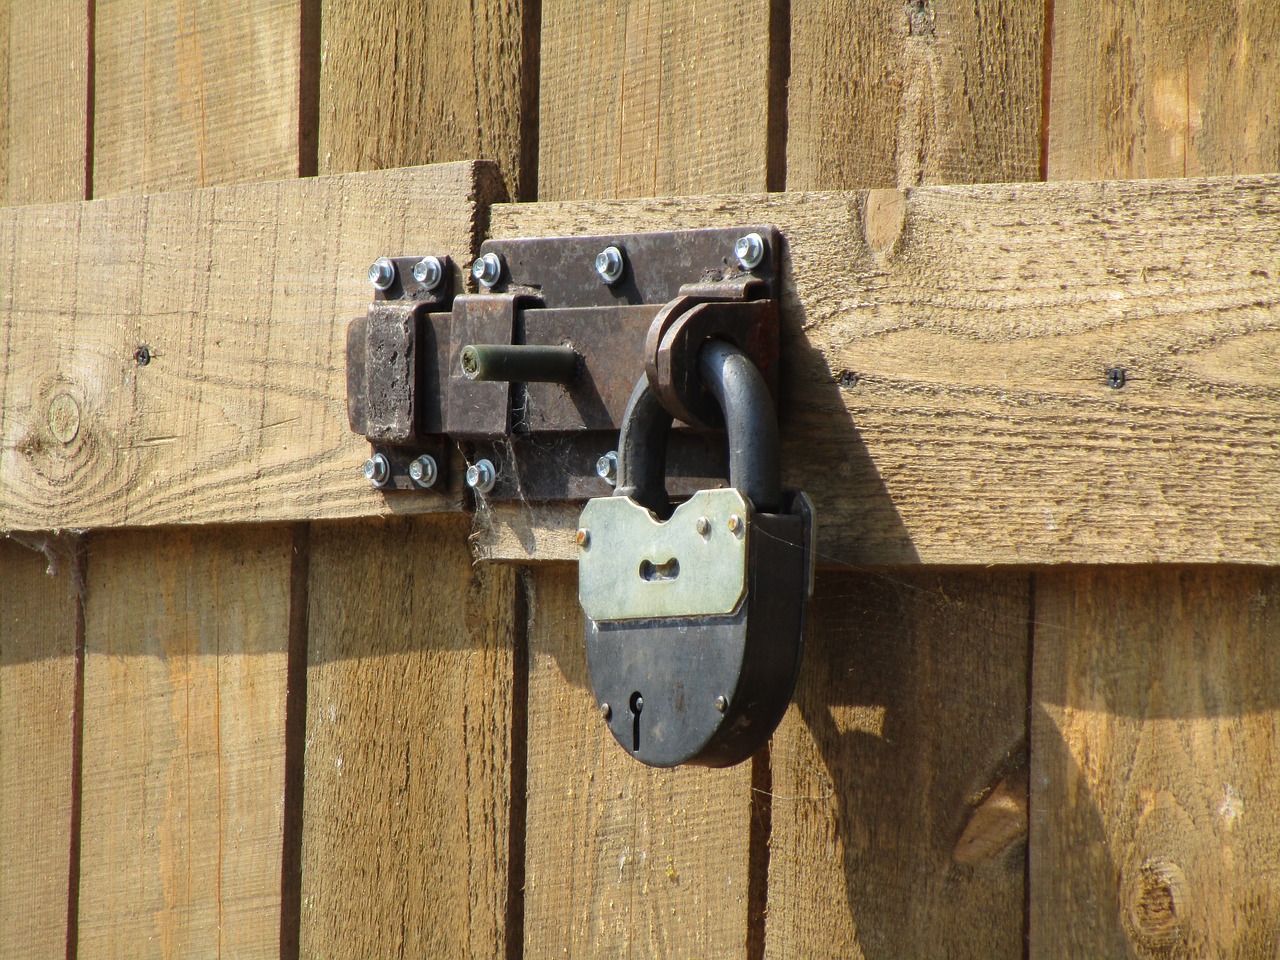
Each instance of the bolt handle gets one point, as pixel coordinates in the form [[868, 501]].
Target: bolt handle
[[520, 363]]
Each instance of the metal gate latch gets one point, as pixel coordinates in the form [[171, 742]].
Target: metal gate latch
[[529, 378], [695, 613]]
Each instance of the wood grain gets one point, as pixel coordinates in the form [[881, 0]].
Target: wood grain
[[44, 101], [621, 860], [641, 98], [195, 95], [900, 94], [1163, 88], [409, 739], [240, 297], [945, 358], [405, 83], [38, 621], [1155, 733], [889, 764], [186, 638]]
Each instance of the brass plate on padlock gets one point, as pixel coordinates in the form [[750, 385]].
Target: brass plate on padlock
[[633, 567]]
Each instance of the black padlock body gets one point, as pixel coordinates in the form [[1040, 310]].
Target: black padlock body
[[681, 665]]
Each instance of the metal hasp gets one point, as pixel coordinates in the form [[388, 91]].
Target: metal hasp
[[528, 378], [695, 616]]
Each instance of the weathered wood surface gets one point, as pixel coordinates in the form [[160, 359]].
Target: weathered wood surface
[[195, 95], [186, 655], [900, 94], [403, 83], [38, 638], [44, 89], [413, 819], [1155, 735], [621, 859], [899, 827], [1163, 88], [895, 833], [44, 101], [641, 98], [945, 357], [1154, 828], [410, 699], [240, 297]]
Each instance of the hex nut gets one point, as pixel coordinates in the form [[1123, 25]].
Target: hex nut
[[487, 270], [482, 477], [377, 470], [423, 471], [610, 264], [607, 467], [382, 273], [429, 272], [749, 251]]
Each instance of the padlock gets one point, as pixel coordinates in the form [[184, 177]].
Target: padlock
[[695, 617]]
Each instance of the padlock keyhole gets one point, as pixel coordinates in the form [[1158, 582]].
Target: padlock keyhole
[[637, 704], [659, 571]]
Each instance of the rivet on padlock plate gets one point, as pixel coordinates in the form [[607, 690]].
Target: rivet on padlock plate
[[695, 622]]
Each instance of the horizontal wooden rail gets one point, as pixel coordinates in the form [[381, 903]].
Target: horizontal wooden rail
[[1003, 374]]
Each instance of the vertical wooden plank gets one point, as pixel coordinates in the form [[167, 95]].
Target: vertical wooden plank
[[187, 661], [44, 118], [412, 821], [186, 638], [899, 775], [38, 626], [409, 712], [405, 83], [45, 88], [644, 99], [196, 94], [622, 860], [1156, 731], [1153, 828], [1164, 88], [899, 94]]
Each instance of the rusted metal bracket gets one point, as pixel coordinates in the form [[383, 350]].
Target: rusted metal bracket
[[532, 374]]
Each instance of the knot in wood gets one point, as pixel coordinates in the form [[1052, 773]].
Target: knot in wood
[[1157, 903]]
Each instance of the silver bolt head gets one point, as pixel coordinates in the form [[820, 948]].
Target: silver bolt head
[[736, 526], [582, 538], [429, 272], [607, 467], [722, 703], [610, 265], [749, 251], [487, 270], [481, 476], [423, 471], [703, 526], [606, 711], [377, 470], [382, 273]]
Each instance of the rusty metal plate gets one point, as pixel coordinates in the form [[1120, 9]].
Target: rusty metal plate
[[561, 270]]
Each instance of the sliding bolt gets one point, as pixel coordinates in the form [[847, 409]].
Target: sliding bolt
[[423, 471], [429, 271], [377, 470], [609, 264], [481, 476], [607, 468], [749, 251], [487, 270], [382, 273]]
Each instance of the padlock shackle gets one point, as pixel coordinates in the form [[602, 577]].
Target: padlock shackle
[[750, 421]]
